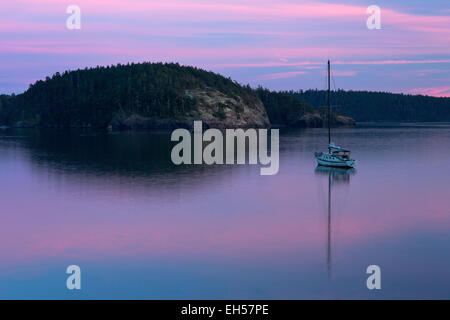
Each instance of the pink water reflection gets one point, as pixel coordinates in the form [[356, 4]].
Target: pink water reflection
[[56, 207]]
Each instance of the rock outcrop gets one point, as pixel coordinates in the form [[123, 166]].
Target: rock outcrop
[[316, 120], [308, 120], [343, 121], [214, 109], [218, 110]]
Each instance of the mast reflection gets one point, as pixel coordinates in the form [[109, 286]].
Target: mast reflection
[[335, 176]]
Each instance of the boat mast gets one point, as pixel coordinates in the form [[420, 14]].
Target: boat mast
[[329, 225], [329, 107]]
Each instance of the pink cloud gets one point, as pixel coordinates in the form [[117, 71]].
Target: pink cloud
[[381, 62], [166, 51], [261, 18], [312, 64], [433, 91], [223, 34], [17, 26], [281, 75], [339, 73], [233, 10]]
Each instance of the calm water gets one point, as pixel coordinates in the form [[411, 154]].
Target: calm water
[[140, 227]]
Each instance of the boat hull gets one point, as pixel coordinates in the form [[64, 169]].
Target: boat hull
[[331, 161]]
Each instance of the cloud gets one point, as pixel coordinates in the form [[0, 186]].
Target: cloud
[[339, 73], [312, 64], [281, 75], [381, 62], [433, 91], [222, 35]]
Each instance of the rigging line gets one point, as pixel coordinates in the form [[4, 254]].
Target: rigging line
[[334, 86], [325, 87], [335, 95], [332, 78]]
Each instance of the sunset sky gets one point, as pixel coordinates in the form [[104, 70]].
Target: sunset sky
[[280, 44]]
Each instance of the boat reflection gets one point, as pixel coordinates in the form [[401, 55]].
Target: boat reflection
[[335, 176]]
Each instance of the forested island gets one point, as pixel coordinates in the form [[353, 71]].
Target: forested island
[[137, 96], [168, 95], [367, 106]]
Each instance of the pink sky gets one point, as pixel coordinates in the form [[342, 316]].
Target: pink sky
[[272, 43]]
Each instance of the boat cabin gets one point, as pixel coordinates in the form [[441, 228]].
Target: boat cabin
[[338, 151]]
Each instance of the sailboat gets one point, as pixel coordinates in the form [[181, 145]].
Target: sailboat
[[336, 156]]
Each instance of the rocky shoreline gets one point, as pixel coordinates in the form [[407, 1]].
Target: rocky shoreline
[[138, 122], [315, 120]]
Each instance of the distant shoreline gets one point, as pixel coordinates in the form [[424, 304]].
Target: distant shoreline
[[164, 96], [161, 130], [362, 123]]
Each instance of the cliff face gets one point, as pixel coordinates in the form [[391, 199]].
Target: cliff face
[[218, 110], [344, 121], [214, 108]]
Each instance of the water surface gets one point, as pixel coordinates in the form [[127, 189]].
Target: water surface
[[142, 228]]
